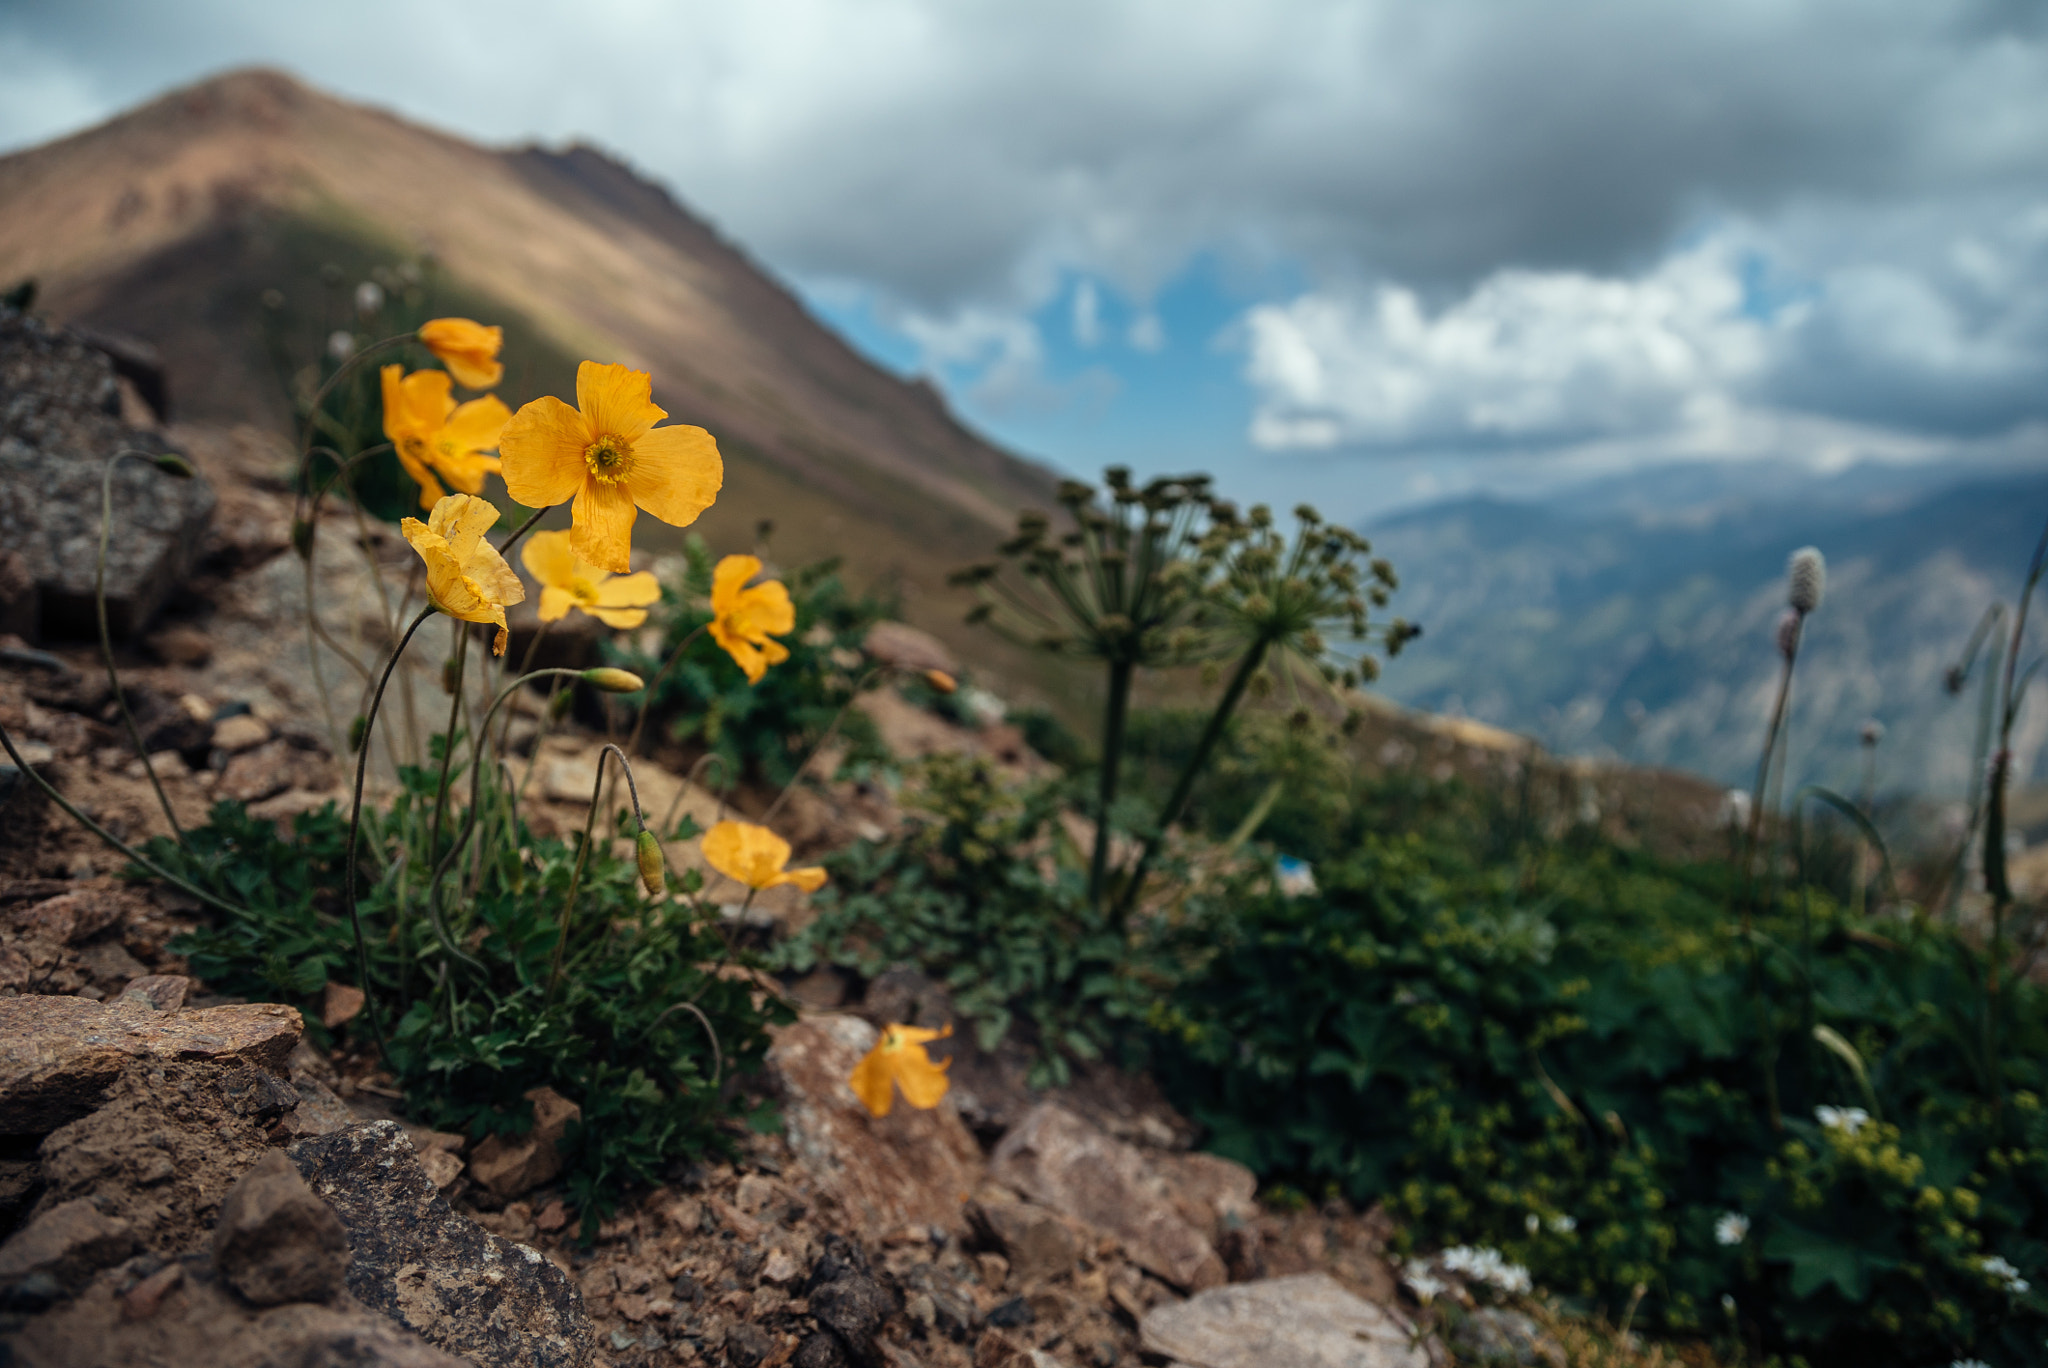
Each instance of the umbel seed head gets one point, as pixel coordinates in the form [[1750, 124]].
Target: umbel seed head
[[1806, 579]]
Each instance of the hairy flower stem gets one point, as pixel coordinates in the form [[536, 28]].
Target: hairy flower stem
[[461, 633], [654, 688], [1996, 882], [99, 597], [156, 870], [1746, 881], [859, 685], [355, 826], [583, 854], [1184, 787], [1118, 707]]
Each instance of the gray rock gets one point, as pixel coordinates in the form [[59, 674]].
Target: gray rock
[[1065, 1163], [1308, 1321], [59, 423], [441, 1275], [276, 1241], [1499, 1337], [67, 1242], [1039, 1245]]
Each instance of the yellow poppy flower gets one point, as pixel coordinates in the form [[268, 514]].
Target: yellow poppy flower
[[607, 454], [755, 856], [466, 577], [743, 620], [466, 348], [568, 581], [899, 1057], [430, 432]]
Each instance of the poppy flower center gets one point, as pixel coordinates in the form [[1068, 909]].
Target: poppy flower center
[[609, 458]]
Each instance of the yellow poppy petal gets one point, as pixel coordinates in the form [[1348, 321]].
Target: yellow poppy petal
[[773, 653], [465, 471], [728, 577], [555, 603], [871, 1083], [477, 425], [922, 1081], [467, 348], [809, 880], [629, 591], [497, 581], [429, 397], [625, 619], [677, 473], [547, 557], [397, 419], [743, 652], [617, 400], [542, 451], [462, 520], [431, 492], [768, 608], [601, 525], [749, 854]]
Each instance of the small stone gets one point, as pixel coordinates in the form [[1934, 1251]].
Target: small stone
[[747, 1346], [780, 1268], [182, 644], [245, 731], [1308, 1319], [1039, 1245], [159, 992], [340, 1003], [1011, 1314], [442, 1168], [256, 774], [507, 1167], [1500, 1337], [142, 1301], [552, 1217], [278, 1242], [69, 1241]]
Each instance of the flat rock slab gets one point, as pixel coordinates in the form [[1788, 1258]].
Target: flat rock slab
[[440, 1275], [58, 1055], [1308, 1321], [1061, 1161], [59, 423], [909, 1168]]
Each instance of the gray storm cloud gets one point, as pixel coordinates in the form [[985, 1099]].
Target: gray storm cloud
[[1515, 223]]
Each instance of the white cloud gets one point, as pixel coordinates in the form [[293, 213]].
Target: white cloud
[[1087, 315], [1147, 333]]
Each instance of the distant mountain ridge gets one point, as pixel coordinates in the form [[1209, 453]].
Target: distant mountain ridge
[[171, 221], [1626, 622]]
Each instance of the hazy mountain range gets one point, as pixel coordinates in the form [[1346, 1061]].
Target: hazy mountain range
[[1635, 616]]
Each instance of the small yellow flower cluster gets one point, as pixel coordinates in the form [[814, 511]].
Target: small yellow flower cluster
[[606, 457]]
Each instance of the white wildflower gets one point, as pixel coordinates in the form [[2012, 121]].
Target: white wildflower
[[1532, 1223], [2005, 1273], [1426, 1287], [1968, 1363], [1849, 1120], [1487, 1266], [1564, 1225], [341, 344], [1731, 1229]]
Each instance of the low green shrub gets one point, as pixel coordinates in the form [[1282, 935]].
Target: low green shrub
[[1560, 1055], [640, 1030], [763, 731], [988, 895]]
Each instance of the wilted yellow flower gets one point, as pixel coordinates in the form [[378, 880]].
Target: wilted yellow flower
[[899, 1057], [569, 581], [428, 429], [607, 454], [755, 856], [467, 348], [466, 577], [744, 620]]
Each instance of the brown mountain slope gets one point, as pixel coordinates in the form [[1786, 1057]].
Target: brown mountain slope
[[170, 221]]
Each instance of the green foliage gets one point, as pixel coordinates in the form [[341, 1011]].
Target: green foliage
[[763, 731], [986, 896], [1554, 1050], [626, 1033]]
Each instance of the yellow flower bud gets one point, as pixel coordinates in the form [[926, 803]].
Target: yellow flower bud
[[653, 869], [614, 681], [941, 681]]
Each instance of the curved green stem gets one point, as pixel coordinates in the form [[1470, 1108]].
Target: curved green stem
[[583, 853], [99, 597], [355, 824]]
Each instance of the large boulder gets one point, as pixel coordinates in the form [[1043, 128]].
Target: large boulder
[[1074, 1167], [58, 1055], [60, 422], [1308, 1321], [909, 1168], [441, 1275]]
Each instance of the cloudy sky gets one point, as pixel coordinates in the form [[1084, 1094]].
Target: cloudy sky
[[1364, 252]]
